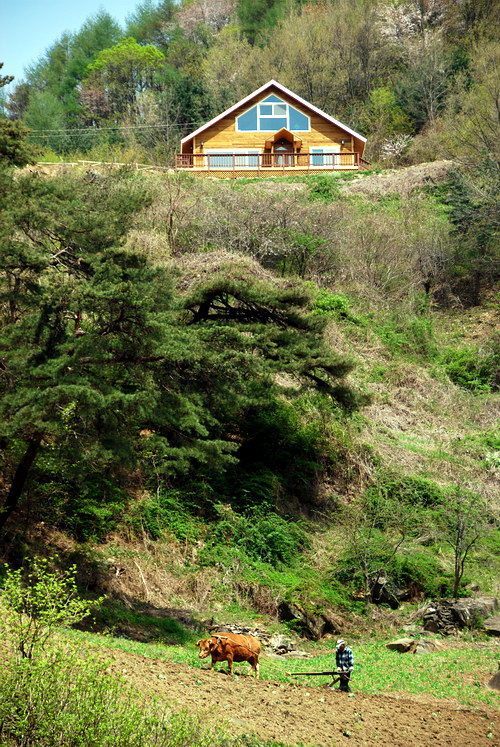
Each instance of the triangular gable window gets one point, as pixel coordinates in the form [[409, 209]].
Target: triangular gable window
[[270, 115], [273, 99]]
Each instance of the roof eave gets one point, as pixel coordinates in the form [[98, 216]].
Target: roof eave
[[284, 90]]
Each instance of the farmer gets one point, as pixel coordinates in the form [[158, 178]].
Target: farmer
[[345, 664]]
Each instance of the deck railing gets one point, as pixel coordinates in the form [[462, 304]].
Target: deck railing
[[266, 161]]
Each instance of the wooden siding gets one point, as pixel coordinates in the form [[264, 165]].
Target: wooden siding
[[223, 134]]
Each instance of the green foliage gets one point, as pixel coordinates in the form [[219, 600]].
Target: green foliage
[[36, 602], [421, 569], [66, 698], [258, 17], [108, 367], [259, 533], [15, 150], [408, 334], [471, 196], [168, 511], [471, 368], [118, 75], [337, 304], [279, 450], [412, 490], [325, 187]]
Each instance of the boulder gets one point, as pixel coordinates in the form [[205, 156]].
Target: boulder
[[403, 645], [413, 646], [469, 611], [492, 625], [428, 646], [447, 615], [313, 625], [280, 644], [494, 683]]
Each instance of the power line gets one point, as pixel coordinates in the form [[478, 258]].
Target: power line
[[115, 127]]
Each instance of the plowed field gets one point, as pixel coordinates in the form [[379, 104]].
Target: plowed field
[[313, 716]]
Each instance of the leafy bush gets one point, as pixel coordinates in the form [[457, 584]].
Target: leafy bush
[[337, 304], [259, 534], [36, 601], [325, 187], [424, 569], [408, 334], [168, 511], [412, 490], [471, 368], [53, 695]]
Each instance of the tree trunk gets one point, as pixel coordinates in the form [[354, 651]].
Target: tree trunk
[[19, 479]]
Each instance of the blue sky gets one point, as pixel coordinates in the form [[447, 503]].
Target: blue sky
[[29, 27]]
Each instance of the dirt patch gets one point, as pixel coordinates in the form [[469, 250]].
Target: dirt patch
[[295, 713]]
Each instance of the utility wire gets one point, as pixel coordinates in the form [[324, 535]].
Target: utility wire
[[115, 127]]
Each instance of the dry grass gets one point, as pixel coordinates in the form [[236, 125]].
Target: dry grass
[[400, 181]]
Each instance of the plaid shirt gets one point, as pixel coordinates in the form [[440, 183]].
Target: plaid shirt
[[345, 659]]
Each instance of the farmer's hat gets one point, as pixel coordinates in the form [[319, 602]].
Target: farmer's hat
[[340, 642]]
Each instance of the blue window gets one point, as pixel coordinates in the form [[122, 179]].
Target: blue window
[[247, 122], [220, 162], [317, 160], [270, 115], [271, 124], [298, 121]]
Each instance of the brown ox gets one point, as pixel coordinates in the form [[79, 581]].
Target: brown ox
[[231, 647]]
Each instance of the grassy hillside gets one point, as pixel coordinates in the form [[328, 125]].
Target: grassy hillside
[[253, 402], [322, 495]]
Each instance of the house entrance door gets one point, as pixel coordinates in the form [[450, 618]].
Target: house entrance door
[[283, 153]]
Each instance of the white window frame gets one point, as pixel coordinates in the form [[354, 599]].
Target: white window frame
[[241, 160], [273, 116]]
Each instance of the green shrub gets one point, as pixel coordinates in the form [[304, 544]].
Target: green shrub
[[336, 304], [424, 569], [169, 511], [409, 334], [65, 699], [325, 187], [258, 534], [412, 490], [470, 368], [36, 601]]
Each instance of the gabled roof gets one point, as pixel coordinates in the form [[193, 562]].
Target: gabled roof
[[262, 89], [286, 134]]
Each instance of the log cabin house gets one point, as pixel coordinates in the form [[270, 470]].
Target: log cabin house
[[273, 130]]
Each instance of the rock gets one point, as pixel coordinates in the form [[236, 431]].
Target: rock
[[473, 587], [412, 646], [312, 625], [492, 625], [428, 646], [494, 683], [280, 644], [385, 591], [447, 615], [469, 611], [403, 645]]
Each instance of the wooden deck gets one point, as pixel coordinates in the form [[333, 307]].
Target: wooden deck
[[250, 165]]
